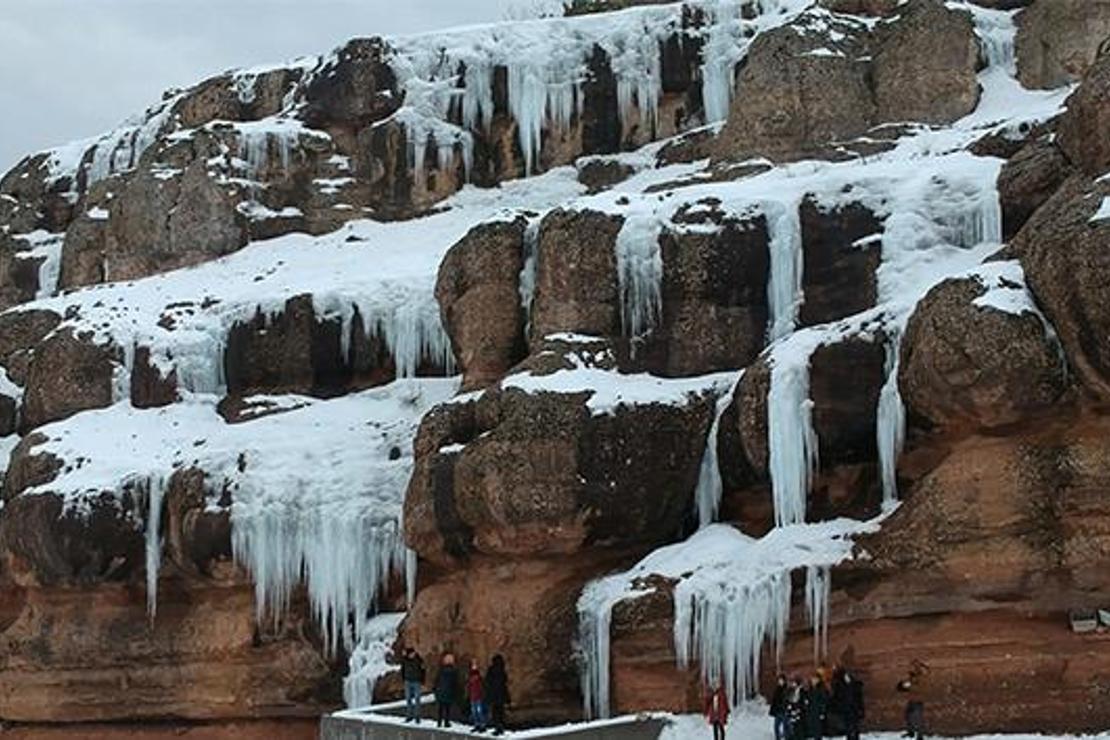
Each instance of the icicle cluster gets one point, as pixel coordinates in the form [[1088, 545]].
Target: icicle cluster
[[791, 440], [410, 327], [369, 659], [640, 274], [818, 588]]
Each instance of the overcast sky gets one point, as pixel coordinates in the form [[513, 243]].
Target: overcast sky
[[70, 69]]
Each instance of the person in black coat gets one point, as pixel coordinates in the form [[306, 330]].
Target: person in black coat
[[816, 706], [497, 693], [847, 701], [795, 709], [446, 690], [412, 673], [778, 708]]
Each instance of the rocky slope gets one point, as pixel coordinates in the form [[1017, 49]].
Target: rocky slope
[[598, 342]]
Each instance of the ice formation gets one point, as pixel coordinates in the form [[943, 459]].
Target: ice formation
[[784, 288], [791, 441], [731, 600], [370, 659], [531, 253], [316, 489], [890, 425], [707, 496], [818, 587], [640, 274]]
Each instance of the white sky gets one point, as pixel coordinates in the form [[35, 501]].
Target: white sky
[[70, 69]]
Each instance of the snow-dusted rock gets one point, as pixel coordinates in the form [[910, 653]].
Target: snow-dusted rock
[[1083, 126], [977, 352], [1028, 179]]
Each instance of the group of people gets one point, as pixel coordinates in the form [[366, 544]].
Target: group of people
[[827, 704], [484, 698]]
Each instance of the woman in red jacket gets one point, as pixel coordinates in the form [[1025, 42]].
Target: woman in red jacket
[[716, 711], [474, 695]]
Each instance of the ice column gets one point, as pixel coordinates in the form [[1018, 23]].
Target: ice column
[[818, 587], [707, 496], [784, 289], [791, 441], [890, 428]]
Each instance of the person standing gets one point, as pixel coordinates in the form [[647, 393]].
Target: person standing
[[474, 696], [915, 704], [446, 689], [778, 708], [413, 674], [496, 693], [847, 701], [795, 709], [716, 710], [816, 706]]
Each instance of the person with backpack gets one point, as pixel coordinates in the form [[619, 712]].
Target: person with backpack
[[778, 708], [446, 689], [716, 710], [474, 694], [496, 693], [413, 674]]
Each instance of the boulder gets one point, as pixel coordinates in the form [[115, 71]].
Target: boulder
[[478, 291], [576, 275], [1028, 179], [1058, 40], [20, 333], [1063, 252], [1083, 126], [782, 109], [965, 364], [69, 373], [841, 252], [525, 474], [354, 89], [925, 65]]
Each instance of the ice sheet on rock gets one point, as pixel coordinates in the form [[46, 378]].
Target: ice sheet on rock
[[383, 274], [316, 491], [47, 247], [791, 441], [784, 289], [732, 597], [890, 422], [370, 659]]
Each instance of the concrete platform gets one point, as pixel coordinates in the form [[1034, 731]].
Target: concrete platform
[[386, 722]]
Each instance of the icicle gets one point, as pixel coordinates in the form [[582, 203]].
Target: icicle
[[593, 632], [890, 427], [155, 489], [527, 104], [707, 496], [725, 630], [640, 274], [784, 288], [531, 247], [791, 441], [413, 331], [818, 587], [477, 101]]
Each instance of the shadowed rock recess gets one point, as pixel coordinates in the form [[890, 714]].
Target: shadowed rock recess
[[651, 345]]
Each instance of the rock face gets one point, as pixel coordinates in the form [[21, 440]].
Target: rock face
[[969, 363], [1058, 40], [1061, 250], [478, 289], [1029, 179], [68, 374], [1082, 129], [920, 66]]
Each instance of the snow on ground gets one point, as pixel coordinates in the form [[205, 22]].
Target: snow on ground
[[317, 489]]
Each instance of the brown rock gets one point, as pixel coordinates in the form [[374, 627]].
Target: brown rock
[[925, 65], [536, 474], [1058, 40], [782, 108], [964, 364], [69, 373], [1083, 126], [1063, 254], [478, 291], [714, 293], [356, 89], [149, 387], [20, 333], [576, 275], [1028, 180], [838, 276], [599, 173]]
